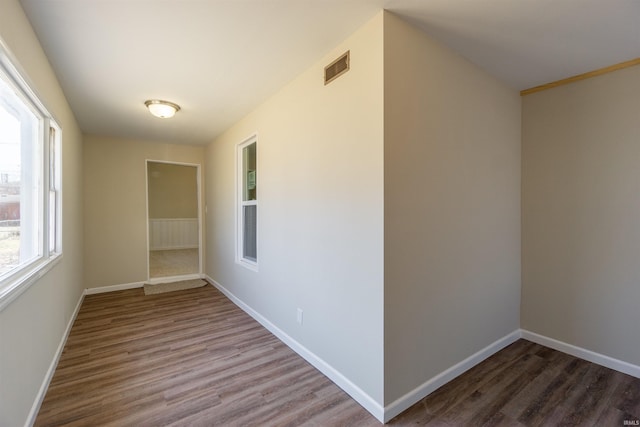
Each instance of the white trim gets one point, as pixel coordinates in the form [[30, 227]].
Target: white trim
[[25, 278], [113, 288], [60, 198], [170, 279], [33, 413], [383, 414], [22, 276], [583, 353], [401, 404], [240, 203], [135, 285], [333, 374], [13, 66], [146, 199], [199, 197], [173, 248]]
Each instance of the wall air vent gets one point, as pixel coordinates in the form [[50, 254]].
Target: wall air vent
[[336, 68]]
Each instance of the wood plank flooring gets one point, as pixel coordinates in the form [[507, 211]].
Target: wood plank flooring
[[527, 384], [192, 358]]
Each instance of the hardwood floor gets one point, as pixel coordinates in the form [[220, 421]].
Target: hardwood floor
[[527, 384], [185, 358], [193, 358]]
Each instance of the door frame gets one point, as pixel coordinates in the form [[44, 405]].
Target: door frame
[[199, 274]]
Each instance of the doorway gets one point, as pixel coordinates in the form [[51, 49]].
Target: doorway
[[174, 240]]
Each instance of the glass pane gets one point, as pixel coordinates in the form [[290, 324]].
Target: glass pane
[[250, 223], [19, 182], [52, 158], [249, 183], [53, 196], [52, 220]]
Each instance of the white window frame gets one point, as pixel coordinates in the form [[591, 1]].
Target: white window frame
[[16, 281], [240, 204]]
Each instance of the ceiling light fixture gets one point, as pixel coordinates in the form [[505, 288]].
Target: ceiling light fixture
[[162, 109]]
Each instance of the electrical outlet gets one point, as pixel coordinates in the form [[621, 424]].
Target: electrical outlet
[[299, 316]]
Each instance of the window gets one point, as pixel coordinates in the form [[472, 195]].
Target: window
[[29, 184], [247, 222]]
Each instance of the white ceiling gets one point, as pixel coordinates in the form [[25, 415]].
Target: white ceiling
[[219, 59]]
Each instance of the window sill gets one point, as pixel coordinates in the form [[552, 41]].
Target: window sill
[[253, 266], [17, 284]]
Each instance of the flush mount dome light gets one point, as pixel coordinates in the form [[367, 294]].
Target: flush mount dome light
[[162, 109]]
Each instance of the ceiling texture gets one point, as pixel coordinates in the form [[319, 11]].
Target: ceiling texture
[[219, 59]]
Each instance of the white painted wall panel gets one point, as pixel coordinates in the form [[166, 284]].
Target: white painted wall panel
[[173, 233]]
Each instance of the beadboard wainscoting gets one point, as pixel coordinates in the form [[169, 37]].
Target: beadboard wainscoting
[[173, 233]]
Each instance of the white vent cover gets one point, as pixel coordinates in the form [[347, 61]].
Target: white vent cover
[[336, 68]]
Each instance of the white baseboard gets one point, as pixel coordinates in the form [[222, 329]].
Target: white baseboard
[[113, 288], [439, 380], [383, 414], [134, 285], [31, 419], [334, 375], [429, 386], [582, 353], [171, 248], [170, 279]]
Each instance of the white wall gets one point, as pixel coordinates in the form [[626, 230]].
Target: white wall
[[581, 214], [320, 212], [32, 326], [451, 209], [115, 206]]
